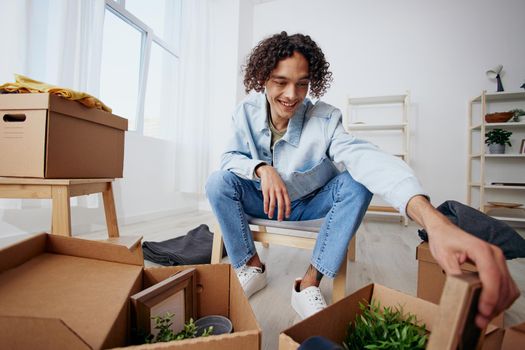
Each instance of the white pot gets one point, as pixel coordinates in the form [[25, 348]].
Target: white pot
[[496, 148]]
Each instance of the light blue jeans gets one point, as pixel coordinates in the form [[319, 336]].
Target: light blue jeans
[[342, 202]]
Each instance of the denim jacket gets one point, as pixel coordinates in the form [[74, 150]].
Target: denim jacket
[[312, 151]]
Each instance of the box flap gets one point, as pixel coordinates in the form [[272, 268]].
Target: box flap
[[90, 296], [454, 326], [425, 310], [94, 250], [241, 313], [39, 333], [423, 253], [514, 338], [19, 252]]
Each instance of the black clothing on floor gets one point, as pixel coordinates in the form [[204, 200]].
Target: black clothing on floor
[[193, 248], [482, 226]]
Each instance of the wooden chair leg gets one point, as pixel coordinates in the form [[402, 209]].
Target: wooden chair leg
[[61, 211], [339, 287], [263, 229], [218, 245], [351, 248]]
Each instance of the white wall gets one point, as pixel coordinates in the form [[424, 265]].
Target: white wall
[[439, 50]]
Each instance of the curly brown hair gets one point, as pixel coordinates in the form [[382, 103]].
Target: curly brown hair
[[265, 56]]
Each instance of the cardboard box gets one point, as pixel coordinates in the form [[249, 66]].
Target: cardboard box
[[68, 293], [448, 323], [47, 136], [431, 278], [333, 321]]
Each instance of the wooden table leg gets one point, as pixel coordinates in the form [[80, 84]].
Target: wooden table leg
[[61, 212], [111, 213]]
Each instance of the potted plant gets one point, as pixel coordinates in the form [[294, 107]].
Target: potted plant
[[496, 139], [385, 328], [516, 114]]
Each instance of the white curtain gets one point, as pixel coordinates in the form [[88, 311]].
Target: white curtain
[[194, 96], [55, 41]]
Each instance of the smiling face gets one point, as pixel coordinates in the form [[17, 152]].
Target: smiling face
[[286, 88]]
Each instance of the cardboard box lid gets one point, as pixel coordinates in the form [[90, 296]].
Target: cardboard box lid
[[58, 104], [423, 254], [54, 283]]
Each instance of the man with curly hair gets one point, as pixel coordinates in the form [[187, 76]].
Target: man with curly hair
[[281, 164]]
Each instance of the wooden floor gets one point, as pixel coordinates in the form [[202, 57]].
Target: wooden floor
[[385, 254]]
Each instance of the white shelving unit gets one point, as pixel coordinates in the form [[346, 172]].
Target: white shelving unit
[[487, 173], [383, 120]]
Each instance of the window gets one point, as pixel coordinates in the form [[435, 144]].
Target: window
[[160, 94], [119, 72], [140, 61]]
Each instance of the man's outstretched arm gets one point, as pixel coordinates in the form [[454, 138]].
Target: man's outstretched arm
[[451, 247]]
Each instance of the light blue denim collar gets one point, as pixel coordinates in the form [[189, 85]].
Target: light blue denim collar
[[295, 126]]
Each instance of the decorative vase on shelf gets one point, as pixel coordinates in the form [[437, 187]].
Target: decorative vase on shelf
[[496, 148]]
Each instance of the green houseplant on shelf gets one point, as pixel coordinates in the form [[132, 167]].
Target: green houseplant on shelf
[[496, 139]]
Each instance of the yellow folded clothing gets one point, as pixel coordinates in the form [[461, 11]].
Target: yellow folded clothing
[[24, 84]]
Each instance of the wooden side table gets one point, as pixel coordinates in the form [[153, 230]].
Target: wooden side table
[[60, 191]]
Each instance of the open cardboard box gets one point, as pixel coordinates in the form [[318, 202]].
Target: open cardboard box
[[449, 324], [68, 293], [431, 278], [46, 136]]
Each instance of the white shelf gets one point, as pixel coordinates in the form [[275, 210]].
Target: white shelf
[[499, 125], [375, 127], [501, 96], [501, 187], [505, 155], [478, 191], [376, 100]]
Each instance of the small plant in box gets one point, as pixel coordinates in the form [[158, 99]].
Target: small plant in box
[[385, 328], [165, 334]]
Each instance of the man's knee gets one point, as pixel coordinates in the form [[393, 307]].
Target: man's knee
[[354, 189], [218, 182]]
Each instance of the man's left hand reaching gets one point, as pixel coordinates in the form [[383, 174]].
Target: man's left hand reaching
[[451, 247]]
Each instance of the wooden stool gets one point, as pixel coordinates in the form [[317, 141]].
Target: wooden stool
[[60, 191], [266, 237]]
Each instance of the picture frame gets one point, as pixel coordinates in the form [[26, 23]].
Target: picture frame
[[522, 147], [176, 295]]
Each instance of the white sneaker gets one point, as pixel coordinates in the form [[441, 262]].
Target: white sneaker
[[252, 279], [308, 301]]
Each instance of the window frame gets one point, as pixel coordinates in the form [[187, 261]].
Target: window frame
[[118, 8]]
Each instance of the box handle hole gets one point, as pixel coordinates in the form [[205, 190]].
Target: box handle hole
[[14, 118]]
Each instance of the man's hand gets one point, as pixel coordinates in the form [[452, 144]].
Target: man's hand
[[451, 247], [274, 192]]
